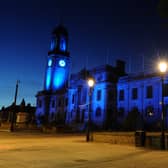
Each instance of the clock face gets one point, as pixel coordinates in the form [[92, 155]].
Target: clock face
[[62, 63], [50, 62]]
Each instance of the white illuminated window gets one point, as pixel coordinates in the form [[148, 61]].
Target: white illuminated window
[[50, 62]]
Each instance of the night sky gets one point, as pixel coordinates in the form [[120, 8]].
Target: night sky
[[99, 32]]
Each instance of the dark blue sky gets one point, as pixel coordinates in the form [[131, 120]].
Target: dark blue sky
[[98, 31]]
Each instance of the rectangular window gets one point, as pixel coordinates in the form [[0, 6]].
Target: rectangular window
[[84, 95], [53, 103], [39, 103], [165, 90], [98, 95], [73, 99], [134, 93], [98, 112], [66, 101], [59, 102], [149, 92], [165, 109], [121, 95]]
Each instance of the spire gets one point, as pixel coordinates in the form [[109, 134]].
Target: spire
[[22, 105]]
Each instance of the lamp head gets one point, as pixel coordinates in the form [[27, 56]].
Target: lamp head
[[163, 67], [91, 82]]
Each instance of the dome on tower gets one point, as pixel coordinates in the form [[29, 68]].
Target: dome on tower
[[59, 41], [60, 29]]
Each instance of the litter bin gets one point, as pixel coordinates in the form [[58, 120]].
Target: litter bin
[[140, 138]]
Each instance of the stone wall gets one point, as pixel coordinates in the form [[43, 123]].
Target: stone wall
[[127, 138], [152, 139]]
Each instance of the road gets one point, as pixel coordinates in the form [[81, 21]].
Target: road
[[26, 150]]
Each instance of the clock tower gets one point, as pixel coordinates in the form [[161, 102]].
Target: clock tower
[[53, 99], [58, 63]]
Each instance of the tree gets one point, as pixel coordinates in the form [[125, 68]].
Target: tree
[[22, 105]]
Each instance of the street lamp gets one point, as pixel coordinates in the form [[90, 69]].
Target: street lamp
[[91, 83], [162, 68]]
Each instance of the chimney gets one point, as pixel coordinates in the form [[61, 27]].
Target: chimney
[[120, 67]]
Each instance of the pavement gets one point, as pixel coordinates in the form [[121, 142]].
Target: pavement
[[37, 150]]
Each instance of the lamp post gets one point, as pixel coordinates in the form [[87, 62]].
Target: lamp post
[[162, 68], [91, 83], [14, 104]]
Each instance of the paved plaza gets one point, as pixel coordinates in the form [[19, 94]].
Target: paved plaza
[[36, 150]]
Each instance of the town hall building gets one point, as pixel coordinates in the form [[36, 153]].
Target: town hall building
[[64, 99]]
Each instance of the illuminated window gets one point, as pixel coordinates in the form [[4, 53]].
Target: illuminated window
[[134, 93], [98, 112], [121, 95], [98, 95], [149, 92]]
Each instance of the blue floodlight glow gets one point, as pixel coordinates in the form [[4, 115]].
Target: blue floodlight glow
[[53, 44], [59, 78], [62, 63], [50, 62], [63, 44], [48, 78]]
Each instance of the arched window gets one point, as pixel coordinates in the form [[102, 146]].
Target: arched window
[[63, 44], [53, 44]]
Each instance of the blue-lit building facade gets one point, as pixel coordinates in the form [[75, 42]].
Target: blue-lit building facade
[[52, 101], [103, 98], [64, 99], [142, 93]]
